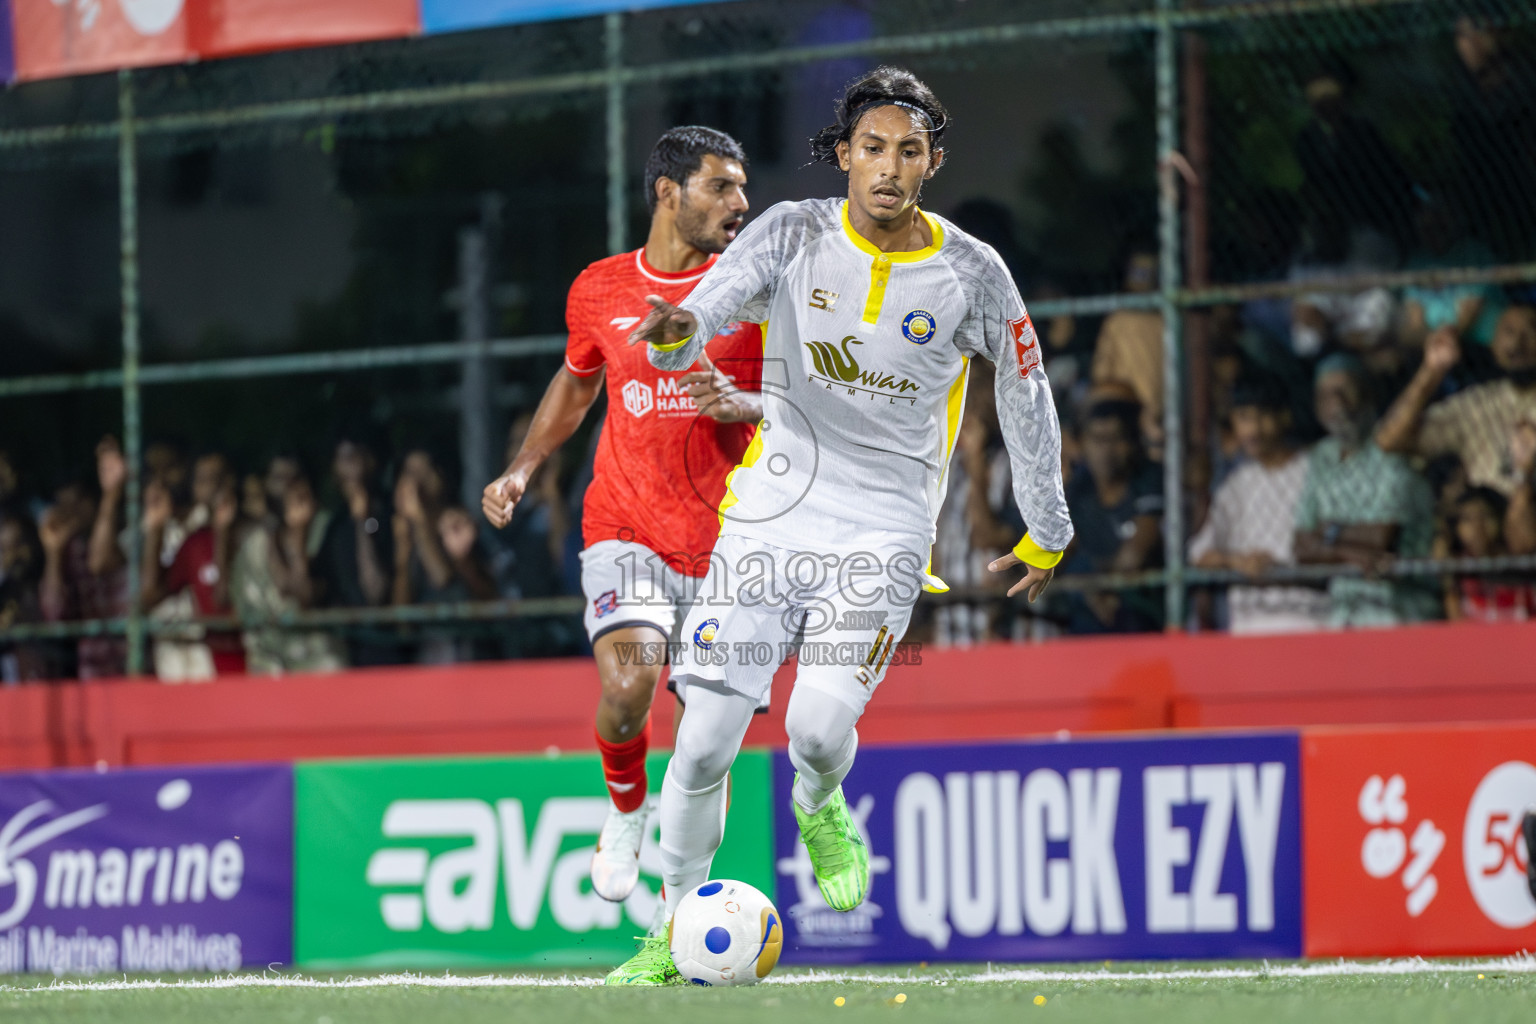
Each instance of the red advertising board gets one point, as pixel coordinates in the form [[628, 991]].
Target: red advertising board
[[247, 26], [67, 37], [1411, 840], [79, 36]]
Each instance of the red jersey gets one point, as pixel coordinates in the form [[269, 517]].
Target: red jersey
[[661, 465]]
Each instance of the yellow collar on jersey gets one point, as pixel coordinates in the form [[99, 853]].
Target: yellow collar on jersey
[[866, 246]]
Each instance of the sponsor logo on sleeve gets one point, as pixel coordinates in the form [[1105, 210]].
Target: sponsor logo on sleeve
[[1025, 344]]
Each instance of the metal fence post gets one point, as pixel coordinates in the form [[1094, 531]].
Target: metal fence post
[[1169, 275], [618, 206], [128, 251]]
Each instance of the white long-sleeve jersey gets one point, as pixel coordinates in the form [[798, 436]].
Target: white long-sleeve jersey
[[864, 373]]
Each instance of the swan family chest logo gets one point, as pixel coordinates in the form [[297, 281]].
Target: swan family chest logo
[[837, 366]]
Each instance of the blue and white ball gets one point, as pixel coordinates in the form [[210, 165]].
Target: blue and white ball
[[725, 933]]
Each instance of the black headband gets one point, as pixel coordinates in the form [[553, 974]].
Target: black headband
[[857, 115]]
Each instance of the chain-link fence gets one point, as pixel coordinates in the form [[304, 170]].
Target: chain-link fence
[[266, 256]]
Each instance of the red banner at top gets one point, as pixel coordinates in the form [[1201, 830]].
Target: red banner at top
[[68, 37], [80, 36], [250, 26]]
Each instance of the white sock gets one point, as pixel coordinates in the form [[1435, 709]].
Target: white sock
[[692, 826], [822, 742], [693, 791], [813, 786]]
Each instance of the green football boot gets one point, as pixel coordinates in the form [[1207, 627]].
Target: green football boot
[[837, 853], [651, 966]]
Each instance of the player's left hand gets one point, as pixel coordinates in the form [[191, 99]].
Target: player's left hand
[[716, 395], [665, 324], [1035, 579]]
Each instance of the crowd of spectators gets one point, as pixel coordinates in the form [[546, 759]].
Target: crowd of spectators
[[1348, 428], [261, 546]]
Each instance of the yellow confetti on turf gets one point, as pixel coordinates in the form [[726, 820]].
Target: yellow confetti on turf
[[1039, 1000], [839, 1001]]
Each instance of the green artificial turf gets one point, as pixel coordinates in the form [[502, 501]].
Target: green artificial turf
[[1444, 993]]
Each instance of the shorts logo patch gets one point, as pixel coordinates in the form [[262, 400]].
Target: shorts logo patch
[[1024, 343], [606, 603], [919, 326], [704, 636]]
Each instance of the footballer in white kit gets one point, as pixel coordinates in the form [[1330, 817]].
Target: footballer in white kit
[[872, 310]]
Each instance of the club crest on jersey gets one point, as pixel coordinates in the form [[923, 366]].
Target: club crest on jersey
[[704, 636], [919, 326], [1025, 344], [606, 603]]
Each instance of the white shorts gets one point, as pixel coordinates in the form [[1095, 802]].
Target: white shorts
[[843, 615], [626, 585]]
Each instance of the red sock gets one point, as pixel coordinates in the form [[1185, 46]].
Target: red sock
[[624, 769]]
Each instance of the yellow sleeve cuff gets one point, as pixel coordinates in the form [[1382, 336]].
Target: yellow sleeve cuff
[[672, 346], [1030, 553]]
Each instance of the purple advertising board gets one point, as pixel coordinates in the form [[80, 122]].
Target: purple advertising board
[[1120, 849], [7, 55], [146, 870]]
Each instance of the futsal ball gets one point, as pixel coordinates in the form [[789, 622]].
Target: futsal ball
[[725, 933]]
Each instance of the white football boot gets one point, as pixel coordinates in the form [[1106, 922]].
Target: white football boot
[[616, 861]]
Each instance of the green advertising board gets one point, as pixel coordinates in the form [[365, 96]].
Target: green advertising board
[[463, 861]]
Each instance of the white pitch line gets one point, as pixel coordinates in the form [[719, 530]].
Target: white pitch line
[[1521, 964]]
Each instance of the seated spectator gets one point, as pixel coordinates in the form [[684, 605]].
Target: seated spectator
[[352, 568], [426, 569], [84, 573], [1361, 506], [1352, 180], [1116, 500], [1252, 523], [1130, 350], [529, 553], [1359, 322], [1520, 517], [199, 570], [461, 543], [1477, 422], [1471, 311], [9, 483], [1478, 532], [21, 563], [271, 578]]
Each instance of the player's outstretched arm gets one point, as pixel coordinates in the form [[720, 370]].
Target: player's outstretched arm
[[998, 328], [565, 404], [671, 335]]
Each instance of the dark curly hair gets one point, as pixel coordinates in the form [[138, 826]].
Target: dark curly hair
[[884, 86], [681, 151]]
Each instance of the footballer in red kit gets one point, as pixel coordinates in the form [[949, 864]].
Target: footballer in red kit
[[661, 467], [651, 513]]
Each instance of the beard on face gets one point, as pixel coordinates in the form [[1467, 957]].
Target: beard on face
[[693, 225]]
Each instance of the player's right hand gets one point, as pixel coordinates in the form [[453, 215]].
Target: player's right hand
[[665, 324], [500, 497]]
